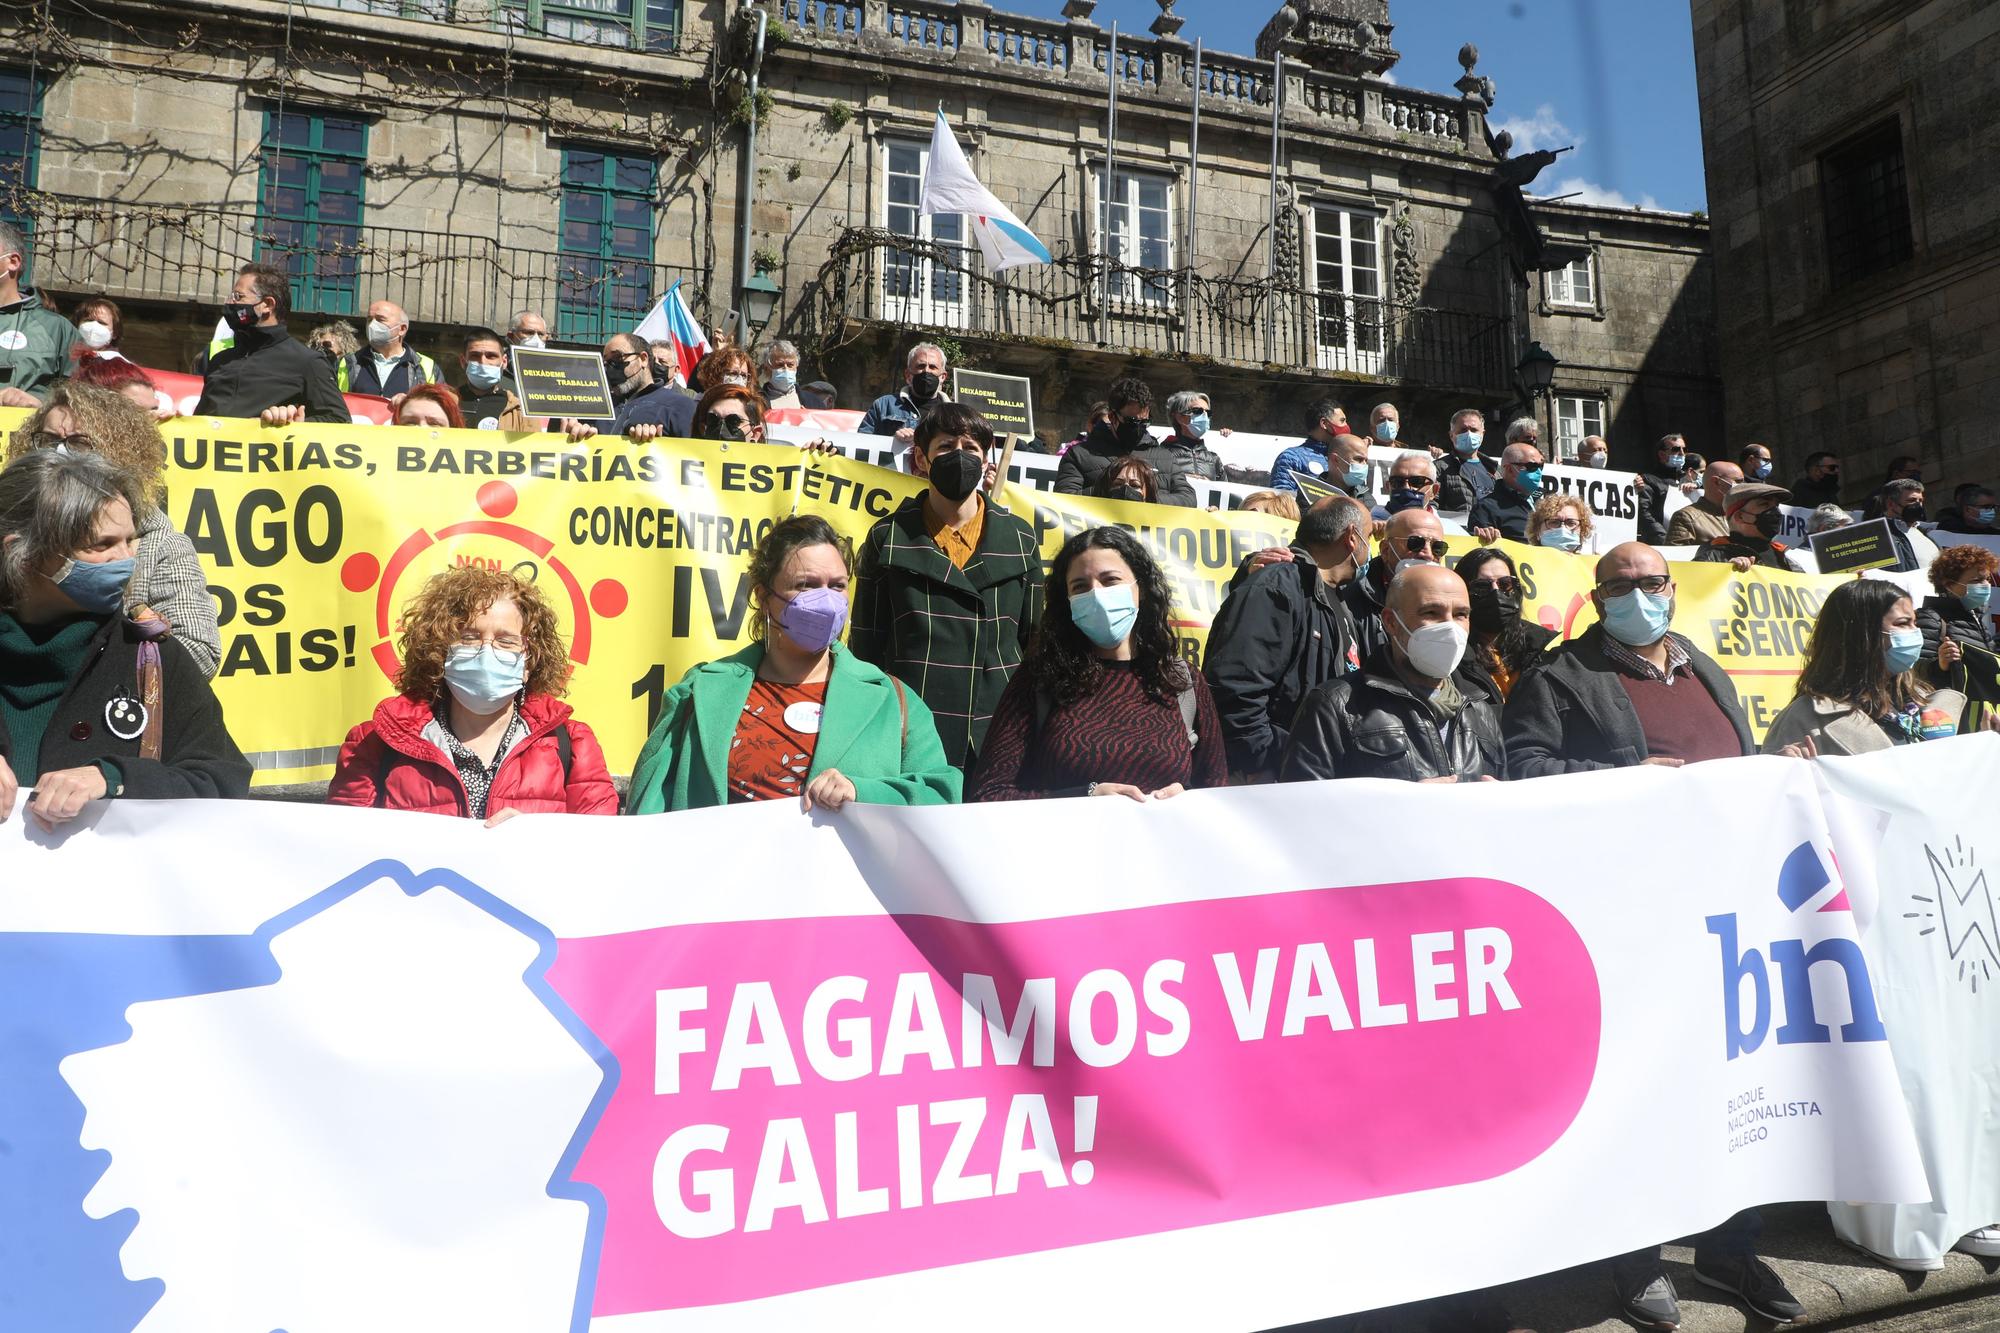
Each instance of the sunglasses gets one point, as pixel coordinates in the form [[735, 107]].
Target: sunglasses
[[1647, 583], [1435, 546], [1411, 483], [1505, 583]]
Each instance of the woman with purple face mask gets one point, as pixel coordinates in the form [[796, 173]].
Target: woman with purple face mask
[[793, 716]]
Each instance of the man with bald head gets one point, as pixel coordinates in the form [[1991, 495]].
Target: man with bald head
[[389, 368], [1505, 510], [1704, 520], [1413, 535], [1283, 631], [1411, 712]]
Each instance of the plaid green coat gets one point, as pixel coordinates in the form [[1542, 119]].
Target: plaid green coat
[[954, 636]]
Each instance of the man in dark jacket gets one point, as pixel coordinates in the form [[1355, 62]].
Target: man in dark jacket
[[34, 342], [1413, 535], [1284, 632], [1463, 475], [1082, 469], [1656, 484], [265, 373], [1820, 483], [1411, 712], [1754, 523], [639, 399], [1505, 510], [896, 413], [950, 587], [1187, 412], [389, 366]]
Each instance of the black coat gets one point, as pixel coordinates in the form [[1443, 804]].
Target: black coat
[[1570, 715], [1505, 509], [1363, 599], [1810, 493], [657, 404], [197, 757], [1196, 459], [1653, 492], [1767, 554], [1082, 469], [1463, 481], [1371, 725], [1942, 615], [1279, 635], [267, 367]]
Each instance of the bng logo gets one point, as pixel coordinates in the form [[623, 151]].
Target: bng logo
[[1801, 880], [1966, 915]]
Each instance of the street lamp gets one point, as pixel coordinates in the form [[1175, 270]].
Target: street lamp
[[1537, 368], [759, 300]]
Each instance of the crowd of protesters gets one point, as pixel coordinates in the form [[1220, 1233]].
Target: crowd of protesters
[[943, 661]]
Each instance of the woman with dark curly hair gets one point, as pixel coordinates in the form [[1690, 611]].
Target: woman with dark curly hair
[[1503, 644], [1104, 705], [1961, 613], [795, 715], [1859, 690], [477, 727], [168, 581]]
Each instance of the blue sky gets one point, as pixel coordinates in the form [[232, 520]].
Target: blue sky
[[1613, 77]]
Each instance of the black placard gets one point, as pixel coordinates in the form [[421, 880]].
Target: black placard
[[562, 384], [1859, 546], [1006, 401]]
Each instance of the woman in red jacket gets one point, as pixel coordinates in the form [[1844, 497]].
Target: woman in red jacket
[[477, 728]]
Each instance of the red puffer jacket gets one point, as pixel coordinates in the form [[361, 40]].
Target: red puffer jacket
[[387, 762]]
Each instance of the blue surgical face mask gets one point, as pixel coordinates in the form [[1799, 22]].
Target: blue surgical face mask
[[1562, 539], [481, 679], [1356, 477], [482, 377], [1467, 441], [1385, 431], [1198, 425], [1677, 462], [1639, 617], [782, 379], [1983, 516], [1760, 472], [1105, 614], [1902, 649], [1529, 480], [98, 588], [1977, 596]]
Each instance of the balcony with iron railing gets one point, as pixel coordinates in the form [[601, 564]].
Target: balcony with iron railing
[[635, 25], [170, 252], [879, 277]]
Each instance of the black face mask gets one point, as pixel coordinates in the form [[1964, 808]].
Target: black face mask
[[1770, 523], [957, 474], [1132, 493], [923, 386], [241, 317], [1492, 609], [1913, 513], [1132, 432]]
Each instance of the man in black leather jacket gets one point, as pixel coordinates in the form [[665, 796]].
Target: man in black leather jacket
[[1412, 712]]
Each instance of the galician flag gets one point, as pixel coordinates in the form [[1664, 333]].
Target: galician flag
[[950, 187], [671, 321]]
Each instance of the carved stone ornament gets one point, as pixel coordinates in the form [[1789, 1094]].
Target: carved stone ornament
[[1286, 242], [1405, 277]]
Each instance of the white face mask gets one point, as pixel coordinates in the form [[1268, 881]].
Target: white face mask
[[533, 342], [1598, 460], [95, 336], [380, 335], [1434, 650]]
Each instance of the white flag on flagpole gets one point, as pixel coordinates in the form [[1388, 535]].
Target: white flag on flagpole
[[950, 187]]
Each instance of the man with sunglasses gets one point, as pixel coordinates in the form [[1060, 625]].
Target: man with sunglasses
[[1505, 510], [1413, 535], [641, 400], [1412, 484], [1285, 631], [1820, 484]]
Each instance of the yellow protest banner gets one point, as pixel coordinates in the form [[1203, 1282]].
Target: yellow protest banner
[[314, 537]]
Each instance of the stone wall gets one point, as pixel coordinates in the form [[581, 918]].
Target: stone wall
[[1906, 360]]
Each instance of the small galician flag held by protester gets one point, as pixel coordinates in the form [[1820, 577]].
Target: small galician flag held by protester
[[671, 321], [950, 187]]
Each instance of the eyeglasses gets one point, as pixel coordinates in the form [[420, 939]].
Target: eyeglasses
[[48, 439], [1573, 524], [1505, 583], [1655, 584], [1413, 483], [509, 649], [1435, 546]]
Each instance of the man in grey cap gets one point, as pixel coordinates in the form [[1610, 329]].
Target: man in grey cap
[[1754, 524]]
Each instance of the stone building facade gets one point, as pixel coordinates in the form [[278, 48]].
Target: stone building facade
[[467, 158], [1857, 229]]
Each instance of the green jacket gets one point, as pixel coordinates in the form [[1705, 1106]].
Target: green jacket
[[45, 338], [892, 756]]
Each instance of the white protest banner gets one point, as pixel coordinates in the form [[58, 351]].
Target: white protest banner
[[296, 1067], [1026, 468], [1923, 818]]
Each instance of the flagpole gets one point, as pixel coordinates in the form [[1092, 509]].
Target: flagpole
[[1104, 193], [1271, 246], [1194, 198]]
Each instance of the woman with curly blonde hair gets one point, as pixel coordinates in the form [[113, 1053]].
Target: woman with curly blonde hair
[[168, 581], [477, 727], [1562, 523]]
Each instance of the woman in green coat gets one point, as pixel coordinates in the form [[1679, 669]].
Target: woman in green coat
[[794, 715]]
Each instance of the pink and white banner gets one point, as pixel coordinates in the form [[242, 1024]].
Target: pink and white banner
[[1232, 1061]]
